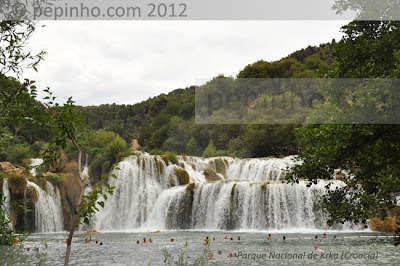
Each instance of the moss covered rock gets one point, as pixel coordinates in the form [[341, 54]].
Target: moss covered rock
[[182, 175], [211, 175]]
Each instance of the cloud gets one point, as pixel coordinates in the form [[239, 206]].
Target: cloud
[[126, 62]]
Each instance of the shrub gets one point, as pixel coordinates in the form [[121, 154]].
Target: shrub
[[182, 175], [17, 184], [172, 157], [16, 153], [53, 179], [71, 168], [156, 152], [210, 151], [106, 154]]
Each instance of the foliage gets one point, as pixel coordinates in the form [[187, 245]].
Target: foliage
[[167, 122], [7, 235], [54, 179], [16, 153], [210, 151], [106, 148], [172, 157], [370, 153], [192, 147]]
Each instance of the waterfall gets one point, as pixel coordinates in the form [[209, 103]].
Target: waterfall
[[48, 214], [250, 195], [6, 197], [34, 163]]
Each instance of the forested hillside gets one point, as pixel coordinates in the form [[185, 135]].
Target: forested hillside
[[166, 122]]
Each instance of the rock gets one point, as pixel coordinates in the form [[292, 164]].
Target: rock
[[182, 175], [211, 175], [387, 225], [8, 168], [135, 145]]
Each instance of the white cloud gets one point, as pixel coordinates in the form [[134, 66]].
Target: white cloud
[[126, 62]]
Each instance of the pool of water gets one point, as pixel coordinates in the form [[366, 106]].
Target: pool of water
[[120, 248]]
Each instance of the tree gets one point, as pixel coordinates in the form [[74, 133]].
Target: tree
[[210, 151], [369, 153], [192, 148], [63, 120]]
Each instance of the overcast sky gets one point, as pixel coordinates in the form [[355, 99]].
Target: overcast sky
[[126, 62]]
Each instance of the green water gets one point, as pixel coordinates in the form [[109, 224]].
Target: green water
[[120, 248]]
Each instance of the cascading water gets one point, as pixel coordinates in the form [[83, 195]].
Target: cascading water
[[48, 214], [149, 194], [35, 162], [6, 197]]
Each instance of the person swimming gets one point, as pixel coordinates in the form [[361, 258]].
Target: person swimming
[[226, 237], [234, 255], [238, 238], [219, 252], [229, 255], [284, 238], [138, 242], [172, 240], [269, 237], [151, 240], [211, 256], [144, 240], [334, 237], [213, 238], [316, 237], [324, 235], [101, 243], [231, 238], [87, 241], [318, 250]]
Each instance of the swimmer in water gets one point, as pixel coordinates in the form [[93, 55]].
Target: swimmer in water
[[316, 237], [207, 241], [269, 237], [239, 238], [144, 240], [226, 237], [210, 256], [172, 240], [219, 252], [318, 250], [284, 238], [151, 240], [229, 255], [324, 235], [138, 242], [213, 238]]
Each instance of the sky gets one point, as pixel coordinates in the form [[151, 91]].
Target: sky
[[125, 62]]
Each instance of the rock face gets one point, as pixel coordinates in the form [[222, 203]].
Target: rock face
[[387, 225], [211, 175], [135, 145], [8, 168]]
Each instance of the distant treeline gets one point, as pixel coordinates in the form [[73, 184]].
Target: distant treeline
[[167, 122]]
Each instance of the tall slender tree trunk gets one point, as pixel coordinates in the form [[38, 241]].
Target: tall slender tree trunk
[[77, 211]]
